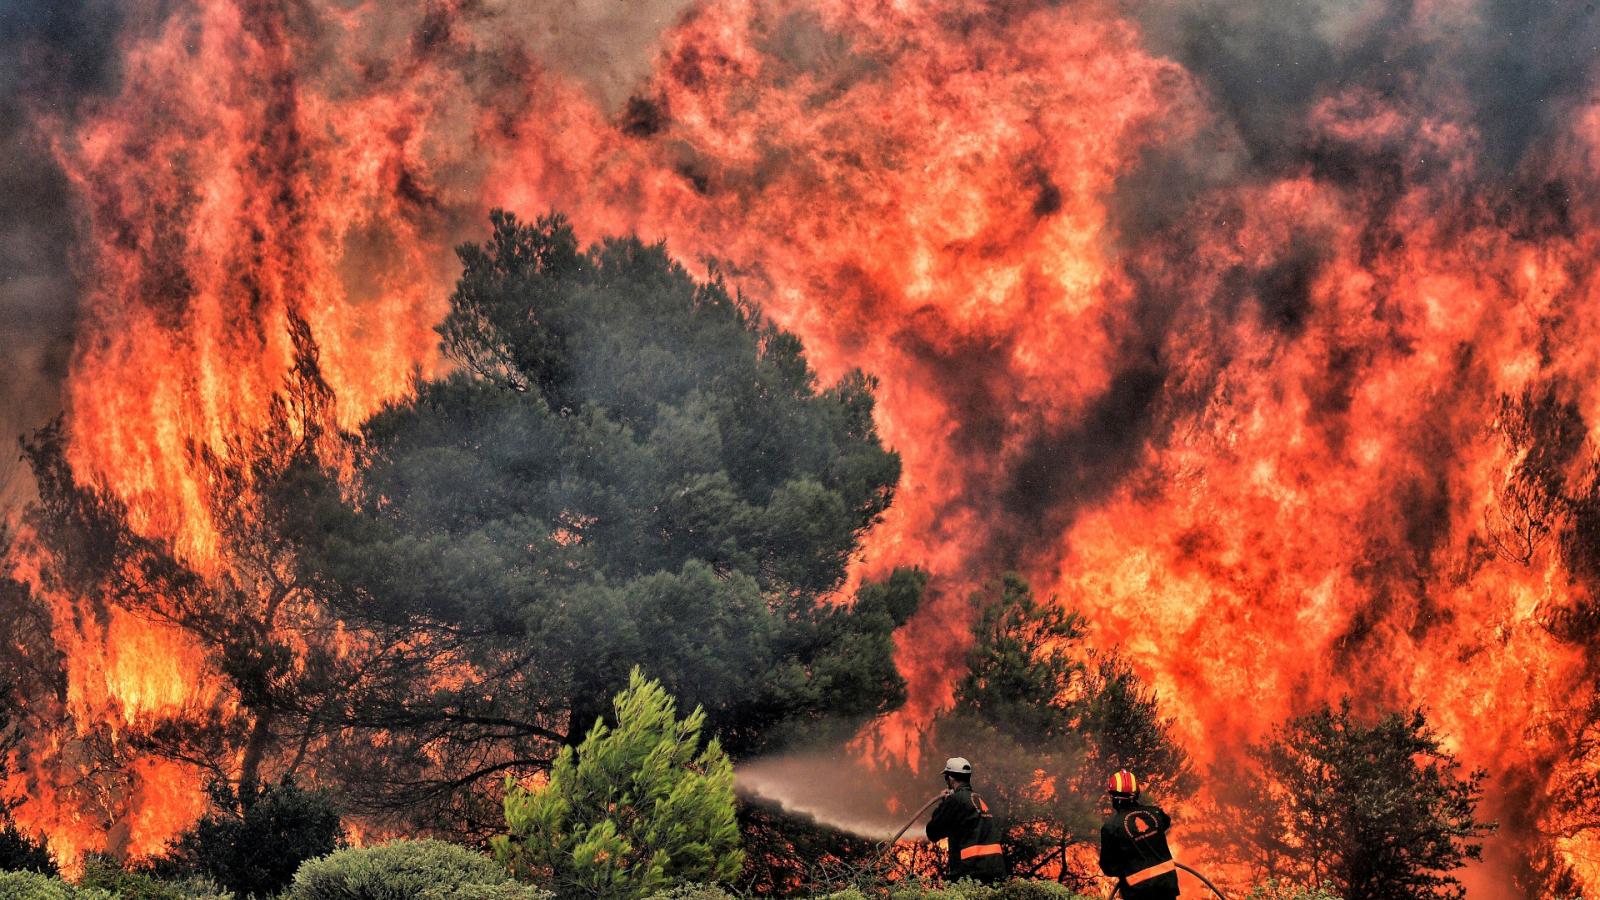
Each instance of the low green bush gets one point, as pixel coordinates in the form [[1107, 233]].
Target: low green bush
[[1033, 889], [401, 870], [103, 874], [1278, 889], [33, 886], [964, 889], [1016, 889], [509, 890], [694, 891]]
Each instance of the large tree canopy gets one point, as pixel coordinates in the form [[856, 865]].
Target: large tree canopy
[[629, 467]]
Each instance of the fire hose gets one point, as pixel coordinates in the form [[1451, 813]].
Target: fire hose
[[889, 845], [1203, 880]]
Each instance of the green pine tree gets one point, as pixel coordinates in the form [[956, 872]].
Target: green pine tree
[[1377, 811], [633, 809]]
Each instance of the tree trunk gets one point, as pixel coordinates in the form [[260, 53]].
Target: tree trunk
[[255, 750]]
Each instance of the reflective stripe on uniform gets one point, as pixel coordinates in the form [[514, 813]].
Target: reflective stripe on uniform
[[979, 850], [1144, 875]]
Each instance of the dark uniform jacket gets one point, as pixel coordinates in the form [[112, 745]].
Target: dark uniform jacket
[[1133, 848], [964, 819]]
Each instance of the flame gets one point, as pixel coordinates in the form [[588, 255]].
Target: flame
[[1250, 437]]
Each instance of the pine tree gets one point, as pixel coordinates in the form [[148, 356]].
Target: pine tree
[[1372, 812], [634, 808], [629, 466]]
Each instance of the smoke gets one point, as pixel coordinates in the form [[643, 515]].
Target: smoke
[[51, 54], [605, 45]]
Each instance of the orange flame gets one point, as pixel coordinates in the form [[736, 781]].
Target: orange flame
[[1251, 441]]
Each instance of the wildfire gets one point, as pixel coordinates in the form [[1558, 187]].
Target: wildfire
[[1242, 415]]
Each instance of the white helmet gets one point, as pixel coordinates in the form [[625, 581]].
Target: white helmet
[[957, 765]]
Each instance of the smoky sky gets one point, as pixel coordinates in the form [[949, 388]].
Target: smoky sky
[[53, 53], [1512, 67]]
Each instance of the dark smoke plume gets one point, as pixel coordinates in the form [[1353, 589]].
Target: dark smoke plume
[[51, 54]]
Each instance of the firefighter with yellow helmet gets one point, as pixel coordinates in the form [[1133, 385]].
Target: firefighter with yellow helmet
[[1133, 844]]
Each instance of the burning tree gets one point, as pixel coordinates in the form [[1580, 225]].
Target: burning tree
[[630, 467], [1372, 812], [1050, 718], [30, 678], [262, 628]]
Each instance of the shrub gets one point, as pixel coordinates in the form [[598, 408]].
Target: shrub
[[253, 840], [509, 890], [403, 869], [103, 874], [632, 810], [964, 889], [1030, 889], [694, 891], [1016, 889], [21, 853], [32, 886], [1278, 889]]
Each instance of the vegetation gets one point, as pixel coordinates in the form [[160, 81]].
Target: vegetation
[[19, 852], [34, 886], [106, 875], [255, 838], [424, 869], [630, 466], [1015, 889], [1368, 811], [1278, 889], [634, 809]]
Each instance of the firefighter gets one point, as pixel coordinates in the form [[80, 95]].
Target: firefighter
[[965, 821], [1133, 844]]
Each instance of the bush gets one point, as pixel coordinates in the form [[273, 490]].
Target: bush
[[632, 810], [1278, 889], [32, 886], [405, 869], [1016, 889], [21, 853], [509, 890], [964, 889], [102, 873], [693, 891], [254, 840], [1030, 889]]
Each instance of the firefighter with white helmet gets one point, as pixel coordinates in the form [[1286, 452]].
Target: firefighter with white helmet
[[963, 819]]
